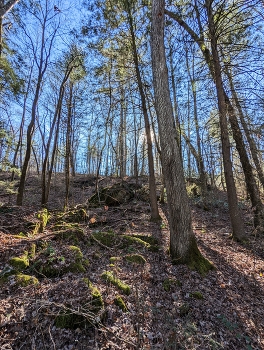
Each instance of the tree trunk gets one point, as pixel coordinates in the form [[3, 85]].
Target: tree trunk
[[199, 159], [183, 246], [237, 134], [152, 181], [235, 215], [250, 140], [68, 146]]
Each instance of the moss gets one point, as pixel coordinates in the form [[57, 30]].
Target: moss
[[8, 271], [136, 258], [25, 280], [86, 262], [114, 259], [131, 240], [76, 251], [75, 215], [87, 282], [152, 241], [39, 226], [193, 190], [69, 320], [19, 263], [184, 309], [167, 283], [110, 239], [120, 303], [74, 267], [106, 238], [197, 295], [194, 260], [97, 300], [178, 283], [32, 250], [108, 276]]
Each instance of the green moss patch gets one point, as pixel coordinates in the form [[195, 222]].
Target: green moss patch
[[168, 283], [111, 240], [68, 232], [196, 295], [39, 225], [136, 259], [184, 309], [109, 277], [19, 264], [70, 320], [75, 215], [25, 280], [115, 259], [53, 262], [120, 303], [194, 259]]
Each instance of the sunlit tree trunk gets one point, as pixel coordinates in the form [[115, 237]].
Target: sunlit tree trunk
[[183, 246], [68, 145], [235, 215], [42, 64], [152, 182]]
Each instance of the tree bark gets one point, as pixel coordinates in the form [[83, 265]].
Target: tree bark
[[152, 181], [237, 134], [68, 146], [183, 246], [235, 215], [6, 7]]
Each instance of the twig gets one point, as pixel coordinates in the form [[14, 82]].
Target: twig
[[54, 346]]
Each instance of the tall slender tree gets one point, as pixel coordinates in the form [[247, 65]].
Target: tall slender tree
[[183, 246]]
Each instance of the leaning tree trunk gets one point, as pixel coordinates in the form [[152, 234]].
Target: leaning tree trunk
[[183, 246], [237, 134], [250, 139]]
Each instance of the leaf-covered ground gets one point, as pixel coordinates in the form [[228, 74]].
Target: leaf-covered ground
[[165, 306]]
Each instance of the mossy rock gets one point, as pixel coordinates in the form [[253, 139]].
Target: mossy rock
[[115, 195], [152, 241], [136, 259], [53, 263], [8, 271], [193, 190], [75, 216], [19, 264], [120, 303], [196, 295], [39, 226], [70, 320], [76, 251], [128, 240], [109, 277], [69, 232], [97, 302], [109, 239], [25, 280]]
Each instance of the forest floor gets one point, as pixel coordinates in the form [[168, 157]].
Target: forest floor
[[54, 301]]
